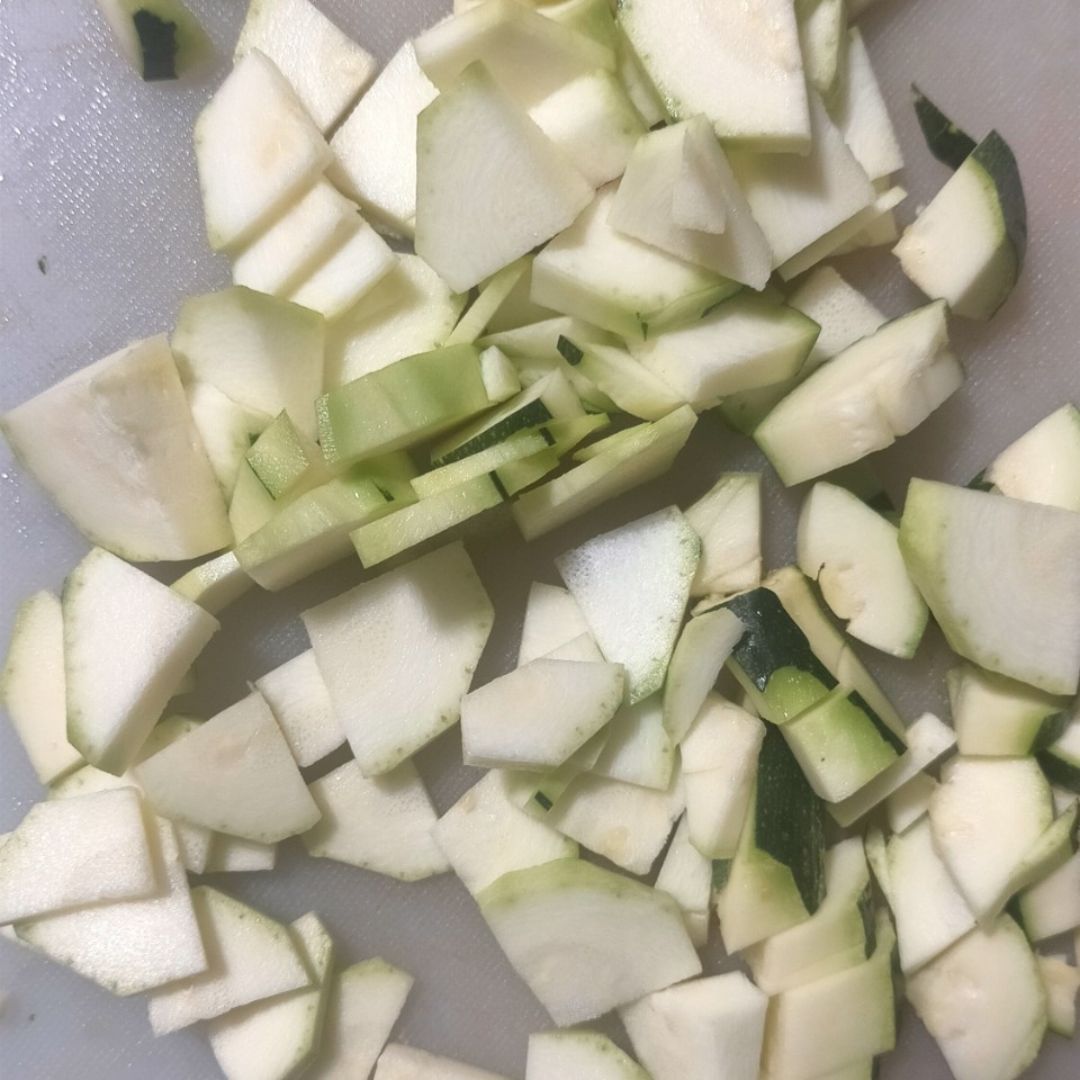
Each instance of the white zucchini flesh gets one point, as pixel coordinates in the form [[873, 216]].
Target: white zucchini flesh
[[489, 298], [703, 647], [927, 739], [379, 540], [536, 716], [834, 938], [593, 272], [998, 717], [592, 121], [931, 913], [300, 702], [119, 945], [32, 687], [859, 224], [822, 26], [128, 642], [251, 957], [364, 636], [638, 749], [515, 447], [636, 460], [910, 802], [234, 774], [280, 257], [699, 200], [797, 200], [1061, 981], [256, 149], [587, 1055], [529, 56], [365, 1002], [226, 428], [382, 823], [500, 376], [115, 447], [66, 853], [584, 650], [966, 246], [485, 834], [855, 1006], [645, 204], [1043, 465], [375, 146], [231, 855], [683, 1032], [969, 554], [686, 876], [1052, 906], [719, 758], [399, 1062], [354, 268], [854, 555], [984, 1003], [264, 353], [328, 73], [878, 389], [860, 113], [745, 343], [629, 384], [409, 311], [728, 520], [740, 68], [586, 940], [625, 823], [843, 313], [985, 817], [279, 1038], [490, 185], [552, 618], [632, 584]]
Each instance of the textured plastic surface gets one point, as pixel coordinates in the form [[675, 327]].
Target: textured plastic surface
[[102, 238]]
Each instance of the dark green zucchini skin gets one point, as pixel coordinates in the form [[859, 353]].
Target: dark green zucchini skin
[[157, 40], [948, 143], [773, 645], [789, 821], [1059, 771]]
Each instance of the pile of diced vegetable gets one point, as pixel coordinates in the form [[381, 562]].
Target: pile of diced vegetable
[[620, 216]]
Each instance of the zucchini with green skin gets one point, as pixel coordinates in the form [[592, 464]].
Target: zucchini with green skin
[[227, 430], [969, 554], [161, 39], [401, 404], [840, 742], [777, 878], [585, 939], [967, 246], [548, 399], [948, 143], [1061, 759]]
